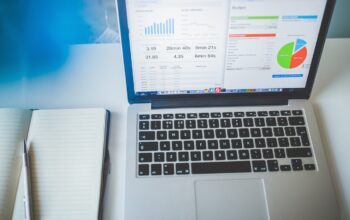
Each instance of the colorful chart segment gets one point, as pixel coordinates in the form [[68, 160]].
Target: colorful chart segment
[[292, 54]]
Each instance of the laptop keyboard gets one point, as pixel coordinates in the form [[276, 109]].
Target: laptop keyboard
[[223, 142]]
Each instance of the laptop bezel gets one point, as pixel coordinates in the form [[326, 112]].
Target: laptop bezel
[[300, 93]]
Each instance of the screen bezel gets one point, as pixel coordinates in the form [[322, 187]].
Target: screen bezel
[[297, 93]]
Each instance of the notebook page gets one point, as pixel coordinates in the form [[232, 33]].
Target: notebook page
[[66, 157], [14, 124]]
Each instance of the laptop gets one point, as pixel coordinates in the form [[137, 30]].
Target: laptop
[[219, 122]]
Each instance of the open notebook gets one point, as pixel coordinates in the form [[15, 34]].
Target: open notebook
[[67, 151]]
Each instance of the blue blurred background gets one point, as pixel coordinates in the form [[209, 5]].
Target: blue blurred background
[[35, 34]]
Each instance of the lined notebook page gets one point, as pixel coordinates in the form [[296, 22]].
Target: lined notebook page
[[66, 159], [14, 124]]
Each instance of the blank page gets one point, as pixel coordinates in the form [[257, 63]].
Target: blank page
[[14, 124], [66, 158]]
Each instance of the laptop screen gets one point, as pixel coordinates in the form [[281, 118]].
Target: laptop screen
[[222, 46]]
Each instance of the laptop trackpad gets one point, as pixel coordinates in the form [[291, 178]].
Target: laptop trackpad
[[231, 199]]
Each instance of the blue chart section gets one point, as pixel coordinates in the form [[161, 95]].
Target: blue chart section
[[299, 44], [162, 28]]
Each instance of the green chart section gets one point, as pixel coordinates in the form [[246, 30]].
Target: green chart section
[[284, 56]]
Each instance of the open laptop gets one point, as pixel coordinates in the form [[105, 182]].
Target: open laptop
[[219, 122]]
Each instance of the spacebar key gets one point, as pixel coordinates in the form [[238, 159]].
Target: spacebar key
[[221, 167]]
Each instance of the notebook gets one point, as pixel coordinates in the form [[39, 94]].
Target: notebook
[[68, 154]]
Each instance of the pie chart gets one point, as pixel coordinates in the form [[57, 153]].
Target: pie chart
[[292, 54]]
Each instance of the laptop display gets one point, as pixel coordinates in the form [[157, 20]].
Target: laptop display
[[222, 46]]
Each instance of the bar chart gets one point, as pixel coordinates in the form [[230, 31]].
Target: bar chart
[[166, 27]]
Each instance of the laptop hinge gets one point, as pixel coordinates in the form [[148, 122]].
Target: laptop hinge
[[217, 102]]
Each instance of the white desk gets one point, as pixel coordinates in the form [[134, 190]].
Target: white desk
[[94, 77]]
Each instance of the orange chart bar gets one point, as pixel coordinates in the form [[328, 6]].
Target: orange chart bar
[[252, 35]]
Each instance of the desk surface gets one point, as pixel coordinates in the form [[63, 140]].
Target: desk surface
[[94, 77]]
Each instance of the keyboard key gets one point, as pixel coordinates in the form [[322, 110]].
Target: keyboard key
[[239, 114], [297, 112], [299, 152], [283, 142], [144, 117], [224, 144], [221, 167], [147, 135], [213, 144], [191, 115], [305, 140], [156, 169], [297, 164], [243, 154], [207, 155], [282, 121], [168, 116], [182, 168], [260, 143], [248, 122], [196, 155], [159, 157], [144, 125], [220, 133], [272, 165], [161, 135], [243, 132], [220, 155], [148, 146], [200, 145], [189, 145], [185, 134], [183, 156], [267, 153], [296, 120], [236, 122], [179, 124], [301, 131], [190, 123], [176, 145], [250, 114], [180, 116], [286, 113], [173, 135], [236, 143], [143, 170], [259, 166], [225, 123], [255, 132], [295, 141], [232, 155], [267, 132], [145, 157], [202, 123], [290, 131], [248, 143], [271, 122], [255, 154], [227, 114], [278, 131], [259, 122], [208, 134], [168, 169], [197, 134], [271, 142], [285, 168], [215, 115], [155, 125], [164, 145], [171, 156], [274, 113], [213, 123], [262, 113], [167, 124], [309, 166], [280, 153], [156, 116], [204, 115]]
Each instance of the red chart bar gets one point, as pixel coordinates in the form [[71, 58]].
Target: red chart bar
[[252, 35]]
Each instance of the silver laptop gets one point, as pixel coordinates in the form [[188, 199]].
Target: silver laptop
[[219, 122]]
